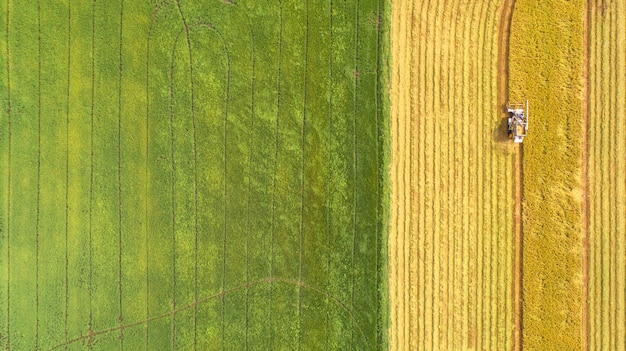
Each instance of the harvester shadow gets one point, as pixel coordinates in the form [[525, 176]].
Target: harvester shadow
[[501, 130]]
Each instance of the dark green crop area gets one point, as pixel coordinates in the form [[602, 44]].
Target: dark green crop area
[[193, 175]]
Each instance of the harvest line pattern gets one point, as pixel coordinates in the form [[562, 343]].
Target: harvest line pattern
[[606, 177], [447, 203]]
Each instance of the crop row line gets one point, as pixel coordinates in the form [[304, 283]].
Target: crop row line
[[119, 173], [8, 236], [67, 169], [302, 175], [37, 220], [91, 171], [355, 154], [447, 232], [250, 162], [329, 164], [278, 101], [173, 185]]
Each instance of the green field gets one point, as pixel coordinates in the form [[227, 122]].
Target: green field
[[193, 175]]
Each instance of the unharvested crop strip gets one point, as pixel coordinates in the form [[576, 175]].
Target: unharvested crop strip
[[276, 147], [220, 294], [119, 175], [303, 151], [67, 165]]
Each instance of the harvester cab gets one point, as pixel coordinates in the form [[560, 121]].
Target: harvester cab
[[518, 121]]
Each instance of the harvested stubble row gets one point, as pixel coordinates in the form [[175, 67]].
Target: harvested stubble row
[[451, 235], [607, 175]]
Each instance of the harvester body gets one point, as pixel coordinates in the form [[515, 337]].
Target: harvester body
[[518, 121]]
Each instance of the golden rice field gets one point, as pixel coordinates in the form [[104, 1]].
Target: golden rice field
[[452, 180], [607, 175]]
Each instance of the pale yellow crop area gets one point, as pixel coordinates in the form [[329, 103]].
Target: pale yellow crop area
[[452, 180]]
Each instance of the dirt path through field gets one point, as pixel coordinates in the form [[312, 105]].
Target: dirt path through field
[[504, 32]]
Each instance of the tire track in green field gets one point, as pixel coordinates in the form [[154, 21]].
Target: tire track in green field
[[355, 154], [37, 220], [379, 233], [302, 174], [119, 172], [276, 148], [329, 165], [67, 168], [269, 280], [91, 172], [250, 163], [9, 122]]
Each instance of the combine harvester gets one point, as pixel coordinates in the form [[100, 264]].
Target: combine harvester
[[518, 121]]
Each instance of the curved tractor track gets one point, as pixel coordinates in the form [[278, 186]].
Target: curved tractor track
[[452, 194]]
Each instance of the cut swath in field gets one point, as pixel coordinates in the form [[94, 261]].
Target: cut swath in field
[[451, 236]]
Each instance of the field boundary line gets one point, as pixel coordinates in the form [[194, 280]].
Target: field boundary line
[[276, 144], [586, 109], [268, 280], [302, 181]]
